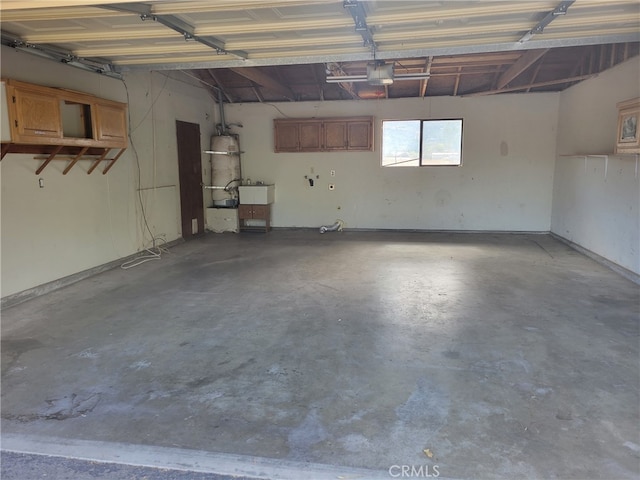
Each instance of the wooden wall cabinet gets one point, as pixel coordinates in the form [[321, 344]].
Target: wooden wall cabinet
[[64, 125], [324, 134]]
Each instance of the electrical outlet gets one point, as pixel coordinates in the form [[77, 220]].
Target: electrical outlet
[[332, 172], [332, 186]]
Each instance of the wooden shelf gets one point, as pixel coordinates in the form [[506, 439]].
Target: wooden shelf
[[72, 154], [605, 157], [601, 155]]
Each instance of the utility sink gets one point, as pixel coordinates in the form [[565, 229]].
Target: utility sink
[[257, 194]]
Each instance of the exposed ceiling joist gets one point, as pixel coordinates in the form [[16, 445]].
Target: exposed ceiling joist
[[219, 85], [525, 61], [532, 85], [424, 82], [205, 80], [265, 80]]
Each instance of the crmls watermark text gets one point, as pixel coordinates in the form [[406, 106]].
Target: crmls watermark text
[[414, 471]]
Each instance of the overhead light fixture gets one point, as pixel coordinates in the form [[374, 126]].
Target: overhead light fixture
[[380, 73]]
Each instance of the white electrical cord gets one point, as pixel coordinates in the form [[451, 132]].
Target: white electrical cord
[[153, 253]]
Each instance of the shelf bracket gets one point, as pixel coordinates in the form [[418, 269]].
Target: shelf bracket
[[75, 160], [98, 160], [49, 158], [113, 160]]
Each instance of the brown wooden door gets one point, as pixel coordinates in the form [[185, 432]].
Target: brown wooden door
[[190, 168]]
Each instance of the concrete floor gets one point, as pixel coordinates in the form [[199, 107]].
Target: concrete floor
[[502, 356]]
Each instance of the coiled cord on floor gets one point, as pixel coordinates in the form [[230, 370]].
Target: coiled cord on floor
[[152, 253]]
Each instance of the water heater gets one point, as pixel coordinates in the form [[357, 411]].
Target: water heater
[[225, 170]]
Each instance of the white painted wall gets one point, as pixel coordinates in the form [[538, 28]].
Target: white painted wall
[[508, 191], [596, 201], [79, 221]]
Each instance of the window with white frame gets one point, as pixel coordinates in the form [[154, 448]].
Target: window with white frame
[[419, 143]]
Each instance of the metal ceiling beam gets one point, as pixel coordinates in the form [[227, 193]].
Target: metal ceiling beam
[[61, 13], [356, 10], [176, 24], [264, 80], [8, 5], [560, 10], [525, 61], [96, 65]]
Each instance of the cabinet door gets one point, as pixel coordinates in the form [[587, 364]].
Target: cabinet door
[[286, 136], [261, 212], [36, 116], [111, 124], [360, 135], [245, 211], [310, 134], [335, 135]]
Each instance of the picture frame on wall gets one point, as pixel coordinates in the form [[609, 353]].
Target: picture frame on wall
[[628, 140]]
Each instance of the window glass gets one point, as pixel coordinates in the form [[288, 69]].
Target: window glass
[[414, 143], [441, 142], [401, 143]]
